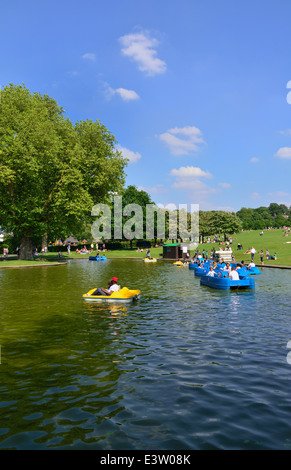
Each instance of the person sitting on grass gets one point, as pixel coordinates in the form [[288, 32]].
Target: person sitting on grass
[[111, 287], [273, 257]]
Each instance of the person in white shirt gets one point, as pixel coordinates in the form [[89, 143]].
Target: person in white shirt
[[253, 251], [251, 265], [112, 287], [234, 276], [210, 272]]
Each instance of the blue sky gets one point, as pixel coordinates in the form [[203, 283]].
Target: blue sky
[[195, 92]]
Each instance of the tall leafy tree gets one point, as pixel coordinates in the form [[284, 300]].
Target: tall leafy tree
[[261, 217], [51, 171], [132, 197], [225, 223], [206, 224]]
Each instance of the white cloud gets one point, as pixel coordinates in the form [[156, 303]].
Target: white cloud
[[188, 140], [254, 160], [225, 185], [285, 132], [284, 152], [188, 172], [127, 95], [189, 179], [132, 156], [278, 194], [89, 56], [194, 185], [140, 48], [255, 195]]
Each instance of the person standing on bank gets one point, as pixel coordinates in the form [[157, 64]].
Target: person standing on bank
[[253, 251]]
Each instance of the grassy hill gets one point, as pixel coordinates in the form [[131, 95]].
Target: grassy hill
[[272, 240]]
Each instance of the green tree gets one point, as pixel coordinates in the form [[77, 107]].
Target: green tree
[[206, 226], [280, 221], [246, 216], [133, 196], [226, 223], [276, 209], [51, 171]]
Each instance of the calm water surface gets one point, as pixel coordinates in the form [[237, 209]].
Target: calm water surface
[[187, 367]]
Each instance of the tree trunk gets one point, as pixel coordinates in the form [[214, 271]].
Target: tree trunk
[[44, 241], [26, 248]]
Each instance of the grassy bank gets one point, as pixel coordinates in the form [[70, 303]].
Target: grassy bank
[[272, 240], [15, 263]]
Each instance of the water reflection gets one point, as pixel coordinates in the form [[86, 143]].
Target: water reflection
[[109, 308]]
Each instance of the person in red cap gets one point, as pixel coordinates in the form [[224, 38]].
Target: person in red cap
[[112, 287]]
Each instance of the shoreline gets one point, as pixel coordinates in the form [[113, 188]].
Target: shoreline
[[39, 265], [59, 263]]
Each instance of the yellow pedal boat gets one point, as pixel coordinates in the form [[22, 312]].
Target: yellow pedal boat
[[123, 295], [179, 263]]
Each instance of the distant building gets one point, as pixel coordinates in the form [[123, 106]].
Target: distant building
[[176, 250]]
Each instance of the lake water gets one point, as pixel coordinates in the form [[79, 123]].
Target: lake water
[[186, 367]]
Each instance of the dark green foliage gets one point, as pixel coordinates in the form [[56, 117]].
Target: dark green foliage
[[52, 171]]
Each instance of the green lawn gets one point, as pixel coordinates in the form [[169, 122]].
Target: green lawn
[[273, 240], [155, 252], [18, 263]]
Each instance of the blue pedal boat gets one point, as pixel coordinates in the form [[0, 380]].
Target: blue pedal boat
[[250, 271], [192, 265], [97, 258], [224, 283]]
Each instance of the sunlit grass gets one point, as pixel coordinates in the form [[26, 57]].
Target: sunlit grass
[[273, 240]]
